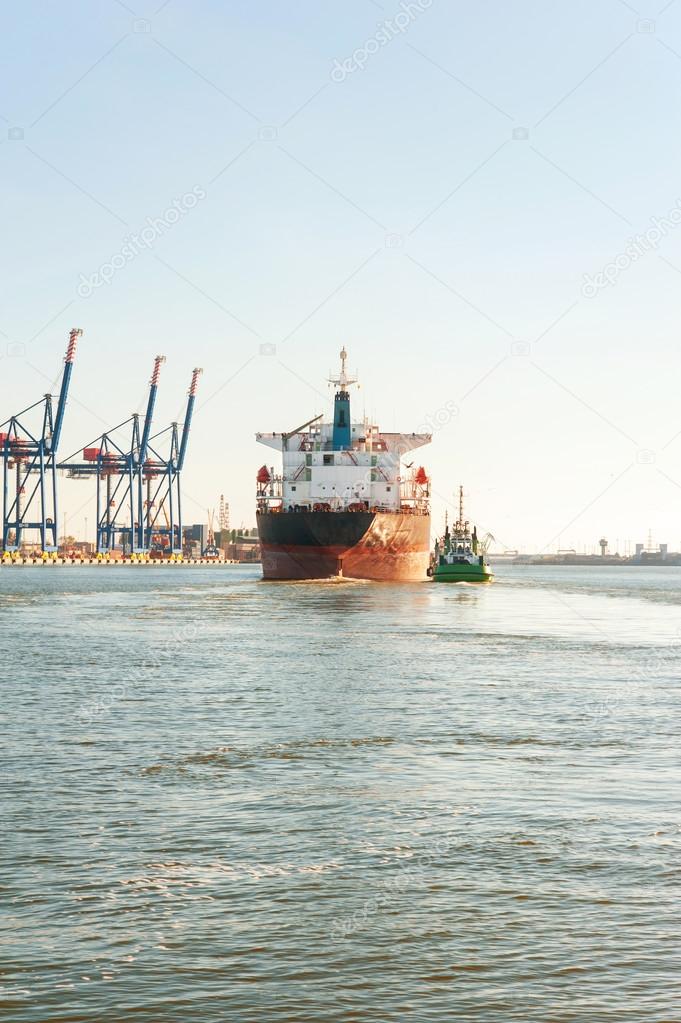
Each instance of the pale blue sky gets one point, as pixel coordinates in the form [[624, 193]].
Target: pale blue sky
[[400, 212]]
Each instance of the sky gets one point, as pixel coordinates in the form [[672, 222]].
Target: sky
[[449, 190]]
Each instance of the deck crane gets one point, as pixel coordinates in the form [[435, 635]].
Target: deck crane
[[285, 437], [30, 489]]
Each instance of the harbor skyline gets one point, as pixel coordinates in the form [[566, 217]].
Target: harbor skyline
[[78, 499]]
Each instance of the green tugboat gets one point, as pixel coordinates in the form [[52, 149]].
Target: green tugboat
[[458, 556]]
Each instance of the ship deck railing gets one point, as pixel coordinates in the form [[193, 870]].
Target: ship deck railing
[[265, 508]]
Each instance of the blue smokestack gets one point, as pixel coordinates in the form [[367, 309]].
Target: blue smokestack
[[342, 427], [342, 433]]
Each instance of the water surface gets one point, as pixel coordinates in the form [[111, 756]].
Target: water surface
[[227, 800]]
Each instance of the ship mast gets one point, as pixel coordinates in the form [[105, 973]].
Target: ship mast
[[460, 523], [343, 381]]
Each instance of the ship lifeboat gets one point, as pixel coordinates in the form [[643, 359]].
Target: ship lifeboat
[[421, 477], [263, 475]]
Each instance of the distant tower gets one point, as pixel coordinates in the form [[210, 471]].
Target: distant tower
[[223, 515], [604, 547]]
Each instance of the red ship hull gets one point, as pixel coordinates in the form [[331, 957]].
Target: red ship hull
[[381, 546]]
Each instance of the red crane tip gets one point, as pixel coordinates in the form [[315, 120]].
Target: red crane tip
[[74, 334], [195, 376]]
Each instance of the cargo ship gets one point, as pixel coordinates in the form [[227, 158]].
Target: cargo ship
[[346, 504]]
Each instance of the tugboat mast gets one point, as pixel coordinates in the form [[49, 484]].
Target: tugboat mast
[[460, 524]]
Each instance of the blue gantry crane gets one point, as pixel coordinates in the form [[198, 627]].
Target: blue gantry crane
[[29, 465], [140, 542], [162, 476], [111, 462], [116, 466], [125, 472]]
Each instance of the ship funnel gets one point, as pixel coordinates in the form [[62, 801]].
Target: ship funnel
[[342, 424]]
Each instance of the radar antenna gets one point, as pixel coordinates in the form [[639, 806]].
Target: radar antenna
[[343, 381]]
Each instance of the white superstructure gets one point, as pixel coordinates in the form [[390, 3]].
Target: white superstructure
[[342, 464]]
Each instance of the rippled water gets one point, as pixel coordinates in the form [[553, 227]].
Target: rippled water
[[227, 800]]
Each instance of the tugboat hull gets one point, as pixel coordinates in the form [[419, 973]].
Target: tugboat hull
[[380, 546], [461, 573]]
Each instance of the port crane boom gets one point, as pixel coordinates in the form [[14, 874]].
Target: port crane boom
[[65, 384], [28, 454], [153, 391], [188, 418]]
